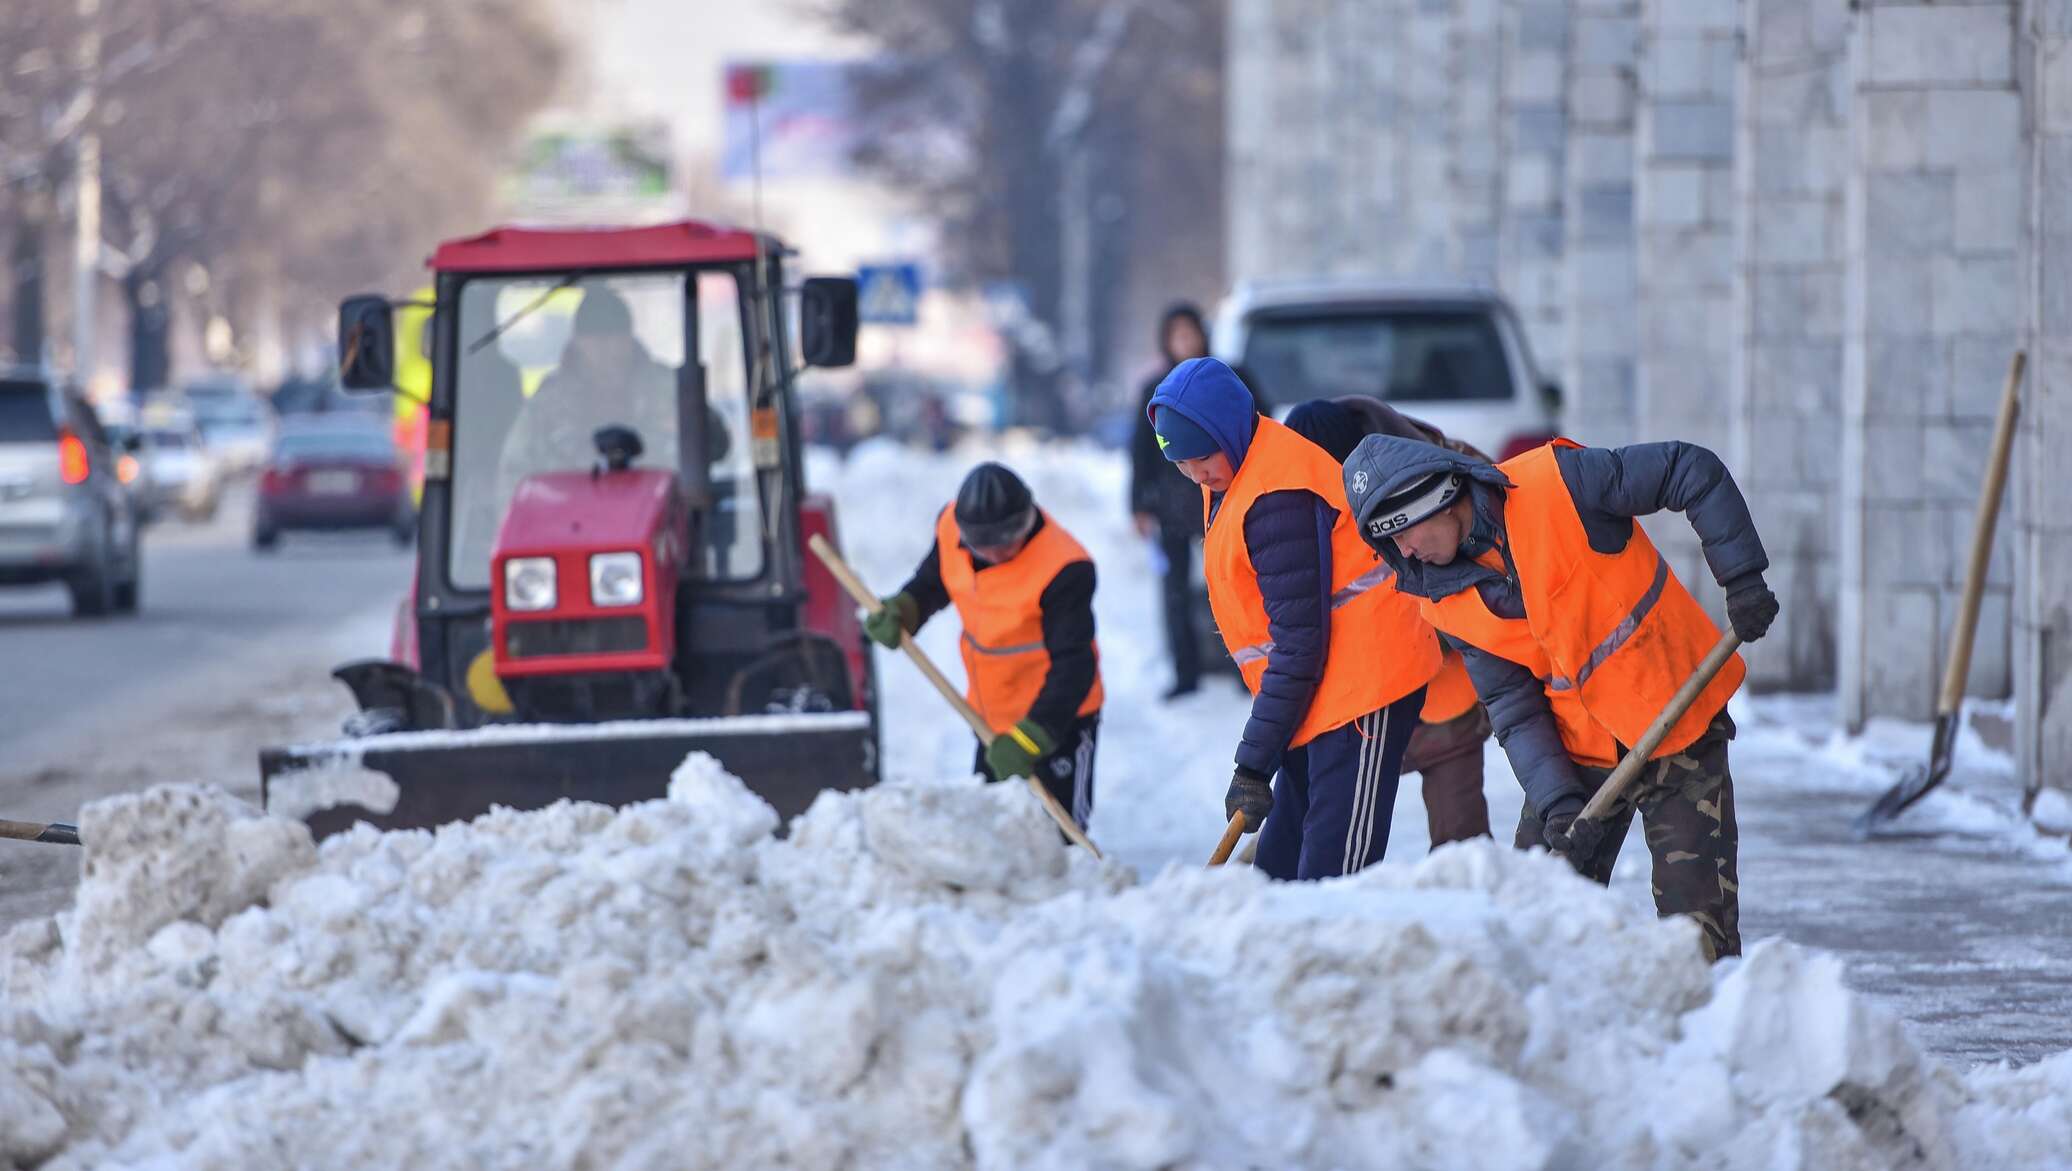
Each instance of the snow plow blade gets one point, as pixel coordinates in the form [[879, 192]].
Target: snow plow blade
[[419, 780]]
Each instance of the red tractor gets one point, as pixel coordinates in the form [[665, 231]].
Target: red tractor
[[611, 571]]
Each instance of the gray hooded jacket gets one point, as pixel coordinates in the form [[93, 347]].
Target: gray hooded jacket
[[1610, 487]]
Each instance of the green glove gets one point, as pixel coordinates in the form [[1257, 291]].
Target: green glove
[[1014, 753], [896, 615]]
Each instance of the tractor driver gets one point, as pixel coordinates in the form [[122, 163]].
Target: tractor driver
[[1024, 589], [605, 376]]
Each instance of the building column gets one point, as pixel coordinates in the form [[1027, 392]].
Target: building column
[[1599, 284], [1932, 311], [1791, 154], [2040, 492], [1684, 141], [1534, 63]]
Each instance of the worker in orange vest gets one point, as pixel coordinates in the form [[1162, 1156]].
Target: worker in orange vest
[[1577, 634], [1335, 658], [1024, 589], [1446, 749]]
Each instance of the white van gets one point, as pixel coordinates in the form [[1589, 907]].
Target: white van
[[1451, 354]]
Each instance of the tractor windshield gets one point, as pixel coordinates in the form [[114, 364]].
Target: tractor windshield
[[545, 362]]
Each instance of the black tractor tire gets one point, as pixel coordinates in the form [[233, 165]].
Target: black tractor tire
[[130, 592]]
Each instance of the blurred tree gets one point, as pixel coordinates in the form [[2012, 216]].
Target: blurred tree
[[1065, 145], [296, 148]]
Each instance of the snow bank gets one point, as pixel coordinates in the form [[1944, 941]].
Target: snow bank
[[918, 977]]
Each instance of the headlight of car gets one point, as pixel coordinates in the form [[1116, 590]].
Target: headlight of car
[[615, 579], [529, 583]]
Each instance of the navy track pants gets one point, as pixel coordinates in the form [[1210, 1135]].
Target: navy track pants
[[1336, 795]]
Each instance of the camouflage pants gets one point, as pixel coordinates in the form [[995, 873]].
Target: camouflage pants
[[1686, 806]]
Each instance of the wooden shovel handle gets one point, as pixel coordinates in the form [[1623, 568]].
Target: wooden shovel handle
[[1637, 758], [1231, 833], [869, 601], [1984, 521]]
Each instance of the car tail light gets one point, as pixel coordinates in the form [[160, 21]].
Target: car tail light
[[72, 462], [127, 469], [1523, 442], [273, 482]]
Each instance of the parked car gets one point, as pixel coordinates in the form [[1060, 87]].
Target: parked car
[[181, 469], [133, 469], [236, 424], [333, 476], [1450, 354], [64, 514]]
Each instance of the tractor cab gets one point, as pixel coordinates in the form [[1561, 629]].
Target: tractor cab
[[611, 570]]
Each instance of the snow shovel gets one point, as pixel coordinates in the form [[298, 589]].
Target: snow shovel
[[1949, 705], [1636, 757], [56, 832], [869, 601], [1231, 833]]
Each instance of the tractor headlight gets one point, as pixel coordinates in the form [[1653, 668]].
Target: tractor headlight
[[615, 579], [529, 583]]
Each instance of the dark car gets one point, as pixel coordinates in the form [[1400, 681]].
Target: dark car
[[332, 477], [65, 515]]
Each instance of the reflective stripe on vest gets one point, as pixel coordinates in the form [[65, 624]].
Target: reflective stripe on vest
[[1379, 648], [1617, 638], [1001, 607], [1339, 600]]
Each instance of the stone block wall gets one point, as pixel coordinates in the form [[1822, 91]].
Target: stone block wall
[[1806, 233], [1932, 310], [1600, 286], [1684, 205], [1791, 158]]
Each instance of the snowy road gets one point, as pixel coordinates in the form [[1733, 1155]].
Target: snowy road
[[231, 649]]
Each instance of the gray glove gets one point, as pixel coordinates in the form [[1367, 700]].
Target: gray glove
[[1250, 794]]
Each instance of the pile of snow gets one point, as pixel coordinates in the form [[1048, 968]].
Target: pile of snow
[[918, 976]]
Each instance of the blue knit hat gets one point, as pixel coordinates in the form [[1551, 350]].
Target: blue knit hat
[[1180, 437]]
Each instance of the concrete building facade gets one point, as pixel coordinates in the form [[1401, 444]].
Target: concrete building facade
[[1809, 234]]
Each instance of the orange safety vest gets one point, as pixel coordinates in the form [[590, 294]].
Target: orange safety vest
[[1450, 693], [1611, 637], [1001, 607], [1380, 650]]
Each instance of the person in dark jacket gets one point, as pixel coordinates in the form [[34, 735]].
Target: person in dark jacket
[[1024, 589], [1446, 749], [1336, 659], [1577, 634], [1167, 508]]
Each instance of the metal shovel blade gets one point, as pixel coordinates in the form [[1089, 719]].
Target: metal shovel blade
[[1917, 783]]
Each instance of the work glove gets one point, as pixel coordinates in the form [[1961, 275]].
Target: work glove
[[1571, 835], [1250, 794], [1751, 607], [896, 615], [1014, 753]]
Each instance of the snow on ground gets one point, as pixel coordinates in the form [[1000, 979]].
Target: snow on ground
[[920, 976]]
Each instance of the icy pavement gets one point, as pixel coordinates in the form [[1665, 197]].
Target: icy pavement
[[1966, 933]]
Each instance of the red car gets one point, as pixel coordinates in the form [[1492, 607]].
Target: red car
[[331, 477]]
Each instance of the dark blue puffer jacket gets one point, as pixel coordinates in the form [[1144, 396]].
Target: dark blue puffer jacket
[[1288, 538]]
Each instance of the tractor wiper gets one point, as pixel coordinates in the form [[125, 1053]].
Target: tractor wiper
[[476, 345]]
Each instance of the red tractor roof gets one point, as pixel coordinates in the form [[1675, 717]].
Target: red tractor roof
[[560, 249]]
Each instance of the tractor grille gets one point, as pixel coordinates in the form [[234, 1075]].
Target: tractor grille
[[575, 636]]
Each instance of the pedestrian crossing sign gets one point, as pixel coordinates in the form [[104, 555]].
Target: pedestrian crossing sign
[[888, 294]]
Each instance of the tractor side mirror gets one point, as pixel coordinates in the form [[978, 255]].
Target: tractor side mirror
[[366, 343], [827, 321]]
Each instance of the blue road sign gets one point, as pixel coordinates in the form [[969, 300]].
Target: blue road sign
[[888, 294]]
